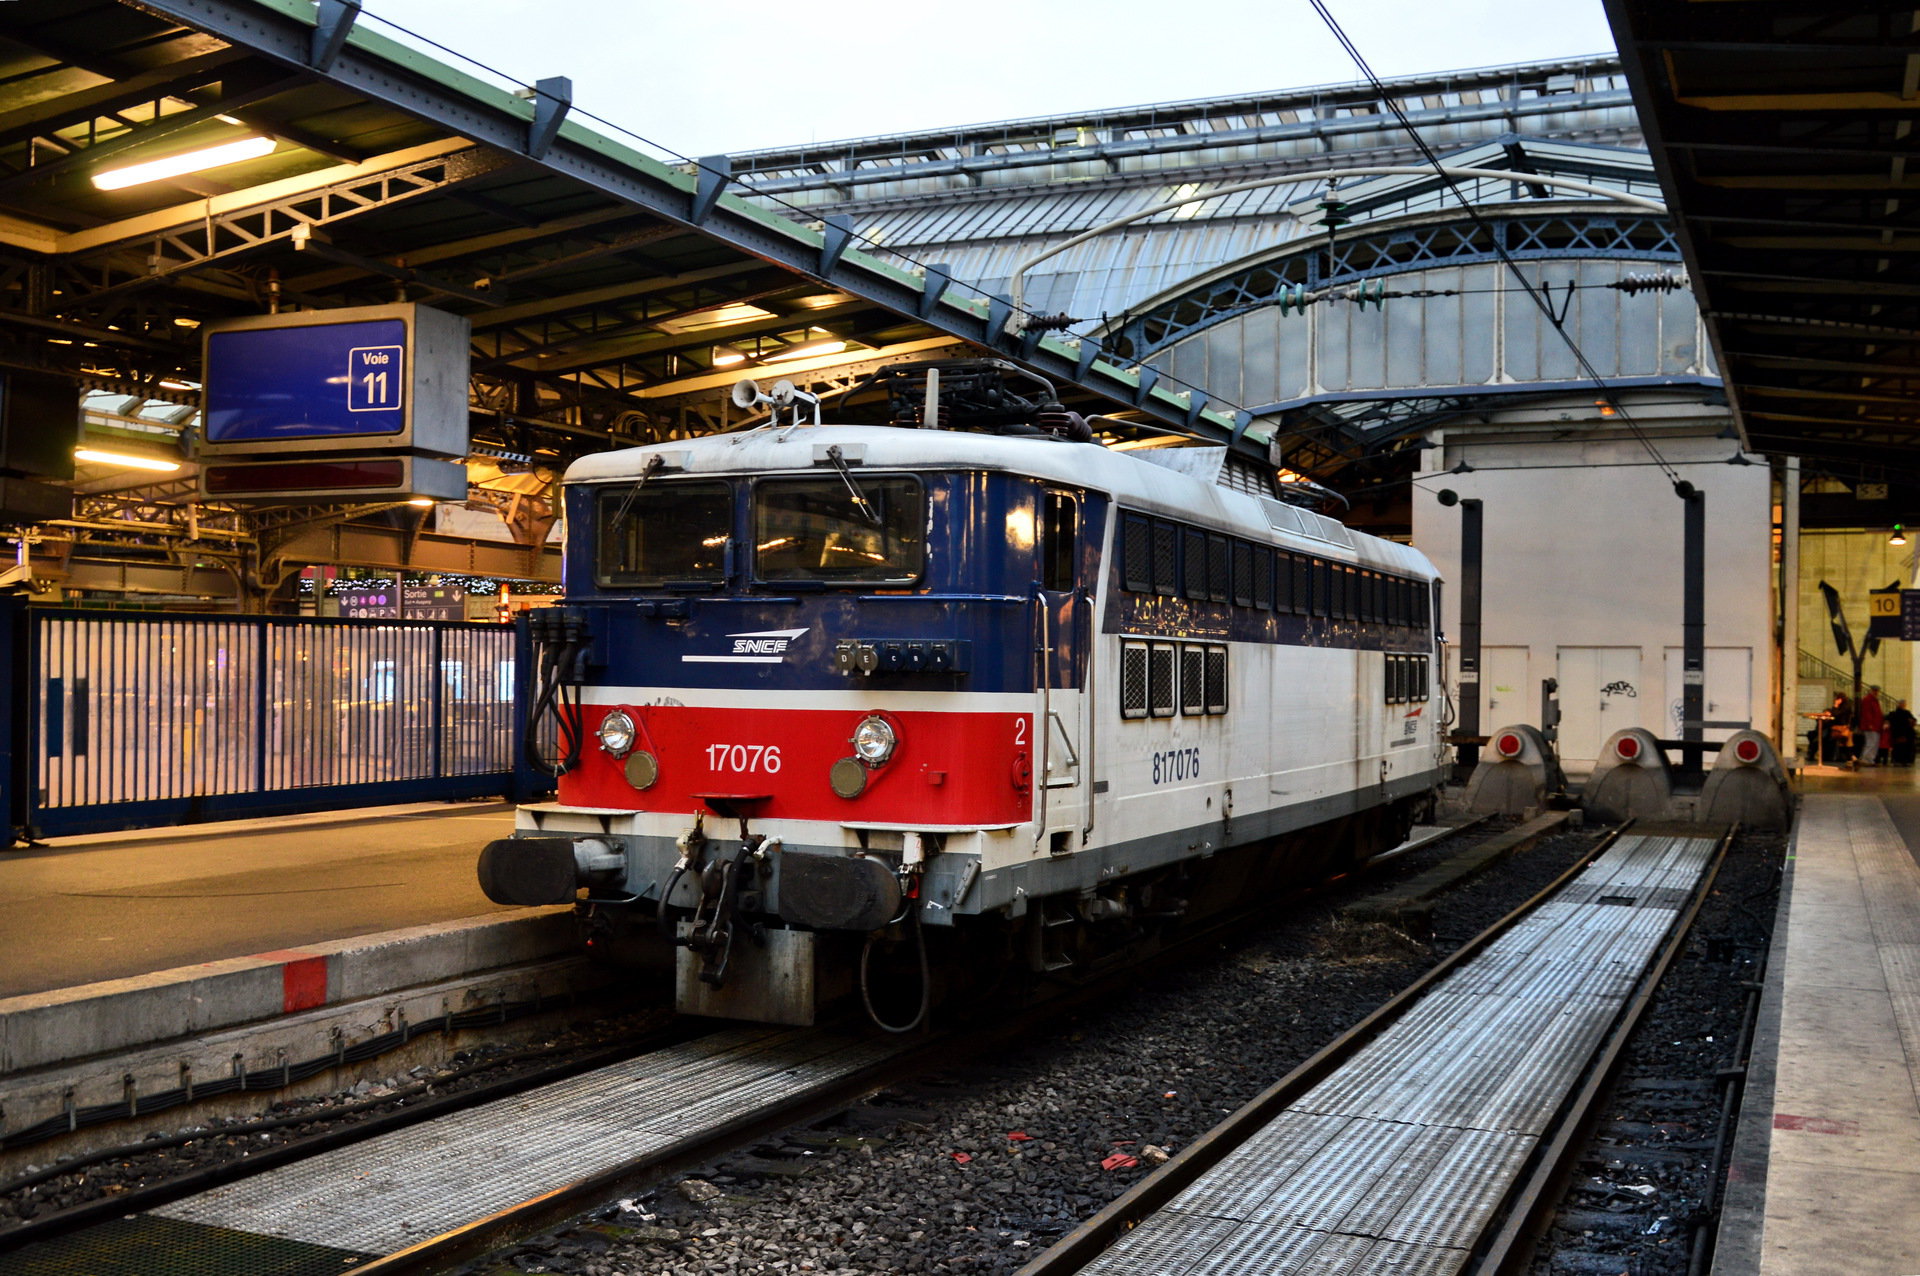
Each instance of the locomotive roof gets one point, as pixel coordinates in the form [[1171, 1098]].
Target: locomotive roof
[[1129, 477]]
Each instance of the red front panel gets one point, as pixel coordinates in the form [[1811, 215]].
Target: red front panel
[[948, 768]]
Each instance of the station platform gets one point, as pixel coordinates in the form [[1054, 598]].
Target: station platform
[[118, 905], [1825, 1174], [254, 959]]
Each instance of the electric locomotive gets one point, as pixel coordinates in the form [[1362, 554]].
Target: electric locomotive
[[830, 695]]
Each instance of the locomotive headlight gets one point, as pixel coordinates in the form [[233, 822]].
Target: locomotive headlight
[[616, 733], [874, 741]]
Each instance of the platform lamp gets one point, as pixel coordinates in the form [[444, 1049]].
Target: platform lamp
[[1467, 738], [1899, 536]]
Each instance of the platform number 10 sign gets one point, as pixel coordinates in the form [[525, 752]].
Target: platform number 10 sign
[[374, 378]]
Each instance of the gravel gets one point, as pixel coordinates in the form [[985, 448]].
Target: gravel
[[1646, 1189], [978, 1169], [161, 1155]]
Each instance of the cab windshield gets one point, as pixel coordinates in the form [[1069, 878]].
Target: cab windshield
[[665, 533], [839, 528]]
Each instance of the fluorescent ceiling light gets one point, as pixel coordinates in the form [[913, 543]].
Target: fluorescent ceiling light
[[125, 460], [422, 502], [713, 317], [727, 358], [807, 351], [245, 148]]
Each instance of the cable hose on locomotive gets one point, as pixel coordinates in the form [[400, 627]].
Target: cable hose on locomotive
[[572, 731], [926, 983], [666, 919], [552, 697], [547, 677]]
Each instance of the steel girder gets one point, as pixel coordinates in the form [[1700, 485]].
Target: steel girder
[[849, 166], [1556, 236], [1782, 133], [1326, 430], [284, 31]]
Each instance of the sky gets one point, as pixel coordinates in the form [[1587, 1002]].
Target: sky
[[701, 78]]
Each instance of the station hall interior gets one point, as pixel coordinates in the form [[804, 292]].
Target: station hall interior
[[1678, 265], [1626, 345]]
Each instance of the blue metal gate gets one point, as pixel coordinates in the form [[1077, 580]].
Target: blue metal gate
[[141, 719]]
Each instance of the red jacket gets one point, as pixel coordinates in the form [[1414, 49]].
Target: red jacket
[[1870, 716]]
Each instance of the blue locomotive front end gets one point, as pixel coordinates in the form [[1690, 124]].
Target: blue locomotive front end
[[801, 681]]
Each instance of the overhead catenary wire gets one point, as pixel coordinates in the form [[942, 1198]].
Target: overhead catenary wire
[[1546, 306], [1165, 378]]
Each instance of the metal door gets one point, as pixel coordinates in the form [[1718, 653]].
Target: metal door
[[1505, 699], [1062, 718], [1600, 693], [1728, 693]]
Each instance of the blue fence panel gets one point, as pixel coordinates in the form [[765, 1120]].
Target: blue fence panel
[[146, 719]]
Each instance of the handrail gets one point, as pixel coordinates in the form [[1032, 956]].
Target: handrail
[[1812, 666]]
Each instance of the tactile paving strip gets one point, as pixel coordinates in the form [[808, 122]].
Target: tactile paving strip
[[1400, 1160]]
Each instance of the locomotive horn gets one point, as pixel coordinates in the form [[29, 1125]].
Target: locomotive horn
[[746, 393], [786, 395]]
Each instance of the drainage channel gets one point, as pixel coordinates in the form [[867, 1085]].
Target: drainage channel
[[1425, 1139]]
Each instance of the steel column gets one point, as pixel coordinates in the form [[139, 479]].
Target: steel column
[[1693, 627], [16, 738], [1472, 520]]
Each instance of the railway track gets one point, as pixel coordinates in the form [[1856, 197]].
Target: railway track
[[1215, 1194], [747, 1083]]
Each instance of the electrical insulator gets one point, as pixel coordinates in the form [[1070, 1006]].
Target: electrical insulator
[[1368, 292], [1631, 284]]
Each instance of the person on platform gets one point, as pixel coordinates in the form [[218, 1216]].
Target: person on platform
[[1837, 733], [1871, 723], [1900, 734]]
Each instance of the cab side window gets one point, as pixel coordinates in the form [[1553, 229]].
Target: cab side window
[[1059, 537]]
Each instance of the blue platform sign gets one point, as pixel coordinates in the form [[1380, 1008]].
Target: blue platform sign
[[1910, 615], [369, 379], [320, 381], [375, 378]]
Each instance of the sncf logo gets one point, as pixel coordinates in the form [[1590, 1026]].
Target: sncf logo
[[767, 647]]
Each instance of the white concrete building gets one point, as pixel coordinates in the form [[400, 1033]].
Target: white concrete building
[[1582, 573]]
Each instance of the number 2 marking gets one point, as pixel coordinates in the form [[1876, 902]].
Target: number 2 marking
[[1019, 730]]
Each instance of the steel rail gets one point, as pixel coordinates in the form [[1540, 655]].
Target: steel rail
[[556, 1205], [1086, 1242], [1530, 1204], [551, 1208], [136, 1200]]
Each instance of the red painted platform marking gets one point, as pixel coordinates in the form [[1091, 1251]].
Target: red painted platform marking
[[303, 978], [1814, 1125]]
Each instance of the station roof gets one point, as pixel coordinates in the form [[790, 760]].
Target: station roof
[[603, 277], [1782, 131]]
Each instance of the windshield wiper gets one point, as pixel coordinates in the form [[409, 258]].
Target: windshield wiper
[[846, 476], [647, 471]]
